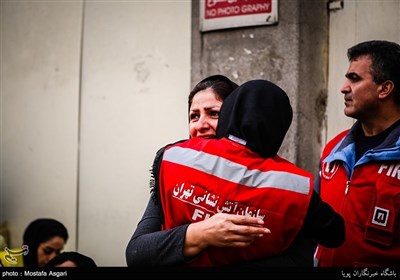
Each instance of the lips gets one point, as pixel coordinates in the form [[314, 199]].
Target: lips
[[207, 136], [347, 101]]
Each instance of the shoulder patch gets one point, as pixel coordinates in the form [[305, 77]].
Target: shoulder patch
[[329, 169]]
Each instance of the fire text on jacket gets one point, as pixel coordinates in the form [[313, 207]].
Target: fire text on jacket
[[392, 170]]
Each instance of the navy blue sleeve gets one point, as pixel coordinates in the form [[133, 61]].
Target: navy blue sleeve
[[324, 224]]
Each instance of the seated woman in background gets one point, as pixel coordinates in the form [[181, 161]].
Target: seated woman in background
[[45, 239]]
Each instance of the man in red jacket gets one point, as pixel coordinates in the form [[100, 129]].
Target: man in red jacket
[[360, 168]]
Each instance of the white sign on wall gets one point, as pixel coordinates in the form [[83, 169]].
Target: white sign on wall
[[220, 14]]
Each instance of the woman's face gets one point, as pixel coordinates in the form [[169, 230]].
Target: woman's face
[[204, 114], [49, 249]]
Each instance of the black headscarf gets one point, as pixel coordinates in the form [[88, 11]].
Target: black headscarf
[[258, 112], [37, 232], [78, 259]]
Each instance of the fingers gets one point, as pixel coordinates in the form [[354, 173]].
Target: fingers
[[245, 220], [231, 230], [243, 236], [248, 225]]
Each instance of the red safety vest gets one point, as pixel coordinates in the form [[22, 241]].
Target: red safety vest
[[199, 178], [369, 202]]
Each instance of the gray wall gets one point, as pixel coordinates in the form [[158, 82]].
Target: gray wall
[[90, 90], [40, 59]]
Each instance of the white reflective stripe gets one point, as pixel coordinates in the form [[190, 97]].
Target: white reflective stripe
[[237, 173]]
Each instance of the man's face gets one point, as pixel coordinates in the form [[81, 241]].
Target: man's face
[[360, 91]]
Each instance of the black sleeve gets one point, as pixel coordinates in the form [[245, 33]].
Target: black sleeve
[[323, 224], [317, 184], [151, 246]]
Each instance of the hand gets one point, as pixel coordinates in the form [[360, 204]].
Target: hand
[[223, 230]]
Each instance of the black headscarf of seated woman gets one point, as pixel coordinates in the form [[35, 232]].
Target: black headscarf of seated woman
[[80, 260], [259, 114]]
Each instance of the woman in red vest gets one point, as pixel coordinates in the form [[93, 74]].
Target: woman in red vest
[[234, 200]]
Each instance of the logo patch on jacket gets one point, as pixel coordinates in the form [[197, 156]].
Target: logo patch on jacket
[[329, 169], [380, 217]]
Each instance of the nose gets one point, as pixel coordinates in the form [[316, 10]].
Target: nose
[[52, 255], [202, 124], [345, 88]]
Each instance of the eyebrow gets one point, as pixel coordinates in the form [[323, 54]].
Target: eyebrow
[[205, 108], [351, 75]]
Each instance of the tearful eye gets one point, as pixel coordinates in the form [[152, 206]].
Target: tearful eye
[[214, 114], [193, 117]]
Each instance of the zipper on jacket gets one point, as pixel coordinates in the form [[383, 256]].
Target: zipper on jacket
[[347, 188]]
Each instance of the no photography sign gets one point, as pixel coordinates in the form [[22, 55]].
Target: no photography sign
[[220, 14]]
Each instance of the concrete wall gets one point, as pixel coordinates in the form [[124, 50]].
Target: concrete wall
[[305, 54], [135, 82], [90, 90], [292, 54], [40, 74]]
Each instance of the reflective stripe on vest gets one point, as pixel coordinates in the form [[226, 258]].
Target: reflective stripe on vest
[[237, 173]]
